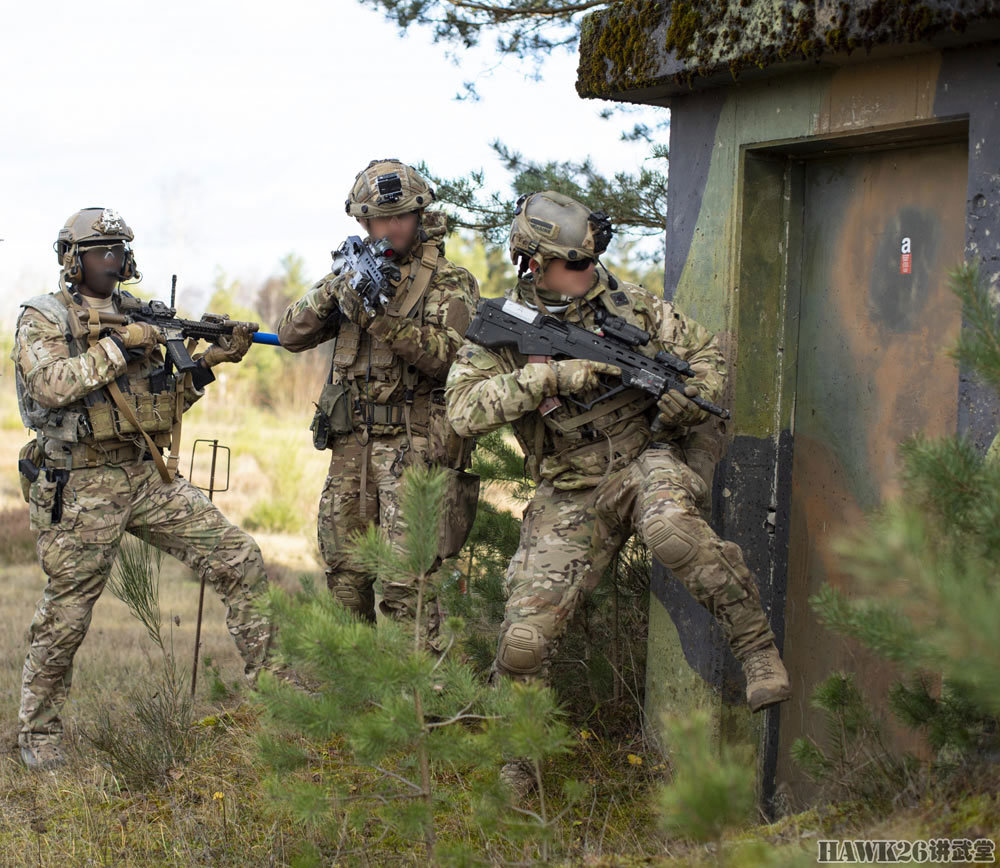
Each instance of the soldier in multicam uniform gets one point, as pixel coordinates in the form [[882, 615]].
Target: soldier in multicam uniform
[[384, 400], [80, 387], [602, 473]]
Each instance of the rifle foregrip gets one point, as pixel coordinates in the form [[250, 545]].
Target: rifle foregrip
[[709, 407]]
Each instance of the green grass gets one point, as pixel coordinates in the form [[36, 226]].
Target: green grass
[[216, 810]]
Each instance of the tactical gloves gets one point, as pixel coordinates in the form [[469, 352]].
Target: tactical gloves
[[137, 339], [676, 410], [580, 375], [228, 348], [349, 303]]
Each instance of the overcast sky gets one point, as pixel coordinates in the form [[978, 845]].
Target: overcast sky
[[228, 133]]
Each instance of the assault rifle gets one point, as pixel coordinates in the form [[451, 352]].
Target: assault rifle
[[176, 330], [371, 267], [504, 323]]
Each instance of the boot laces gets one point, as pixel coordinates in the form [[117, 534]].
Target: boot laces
[[759, 666]]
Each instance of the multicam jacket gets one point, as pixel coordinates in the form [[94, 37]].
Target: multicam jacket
[[62, 375], [402, 355], [569, 446]]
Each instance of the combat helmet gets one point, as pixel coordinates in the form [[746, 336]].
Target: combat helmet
[[386, 188], [92, 227], [549, 225]]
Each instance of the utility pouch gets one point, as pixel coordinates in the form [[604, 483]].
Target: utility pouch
[[332, 416], [46, 500], [154, 412], [29, 462], [458, 511]]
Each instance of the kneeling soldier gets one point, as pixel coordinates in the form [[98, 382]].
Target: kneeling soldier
[[607, 472]]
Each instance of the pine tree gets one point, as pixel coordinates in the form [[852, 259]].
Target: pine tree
[[414, 720], [853, 761], [476, 589], [711, 790], [528, 32]]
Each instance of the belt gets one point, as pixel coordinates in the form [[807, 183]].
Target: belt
[[98, 455], [382, 414]]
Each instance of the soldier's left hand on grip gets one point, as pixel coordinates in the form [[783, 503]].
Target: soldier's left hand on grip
[[580, 375], [229, 348], [139, 336], [676, 409]]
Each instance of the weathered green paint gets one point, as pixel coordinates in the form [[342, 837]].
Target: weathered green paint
[[747, 163], [711, 276], [761, 316], [671, 684]]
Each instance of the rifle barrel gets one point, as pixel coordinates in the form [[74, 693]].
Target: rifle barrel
[[265, 338]]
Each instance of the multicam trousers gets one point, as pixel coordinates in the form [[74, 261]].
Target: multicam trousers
[[568, 539], [100, 505], [343, 512]]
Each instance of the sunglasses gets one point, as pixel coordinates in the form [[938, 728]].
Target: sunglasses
[[112, 251], [578, 264]]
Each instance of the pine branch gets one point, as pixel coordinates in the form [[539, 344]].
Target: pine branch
[[978, 346]]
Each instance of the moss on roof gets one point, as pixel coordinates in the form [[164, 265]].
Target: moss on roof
[[635, 44]]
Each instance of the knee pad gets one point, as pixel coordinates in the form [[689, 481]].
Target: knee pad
[[521, 650], [348, 596], [671, 543]]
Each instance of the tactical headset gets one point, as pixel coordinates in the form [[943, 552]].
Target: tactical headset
[[70, 259]]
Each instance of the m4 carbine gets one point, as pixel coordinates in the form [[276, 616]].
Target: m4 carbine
[[177, 330]]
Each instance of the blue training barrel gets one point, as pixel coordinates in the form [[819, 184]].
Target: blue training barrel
[[266, 338]]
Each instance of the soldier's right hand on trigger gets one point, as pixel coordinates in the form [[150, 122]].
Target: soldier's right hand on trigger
[[579, 375], [350, 304], [139, 336]]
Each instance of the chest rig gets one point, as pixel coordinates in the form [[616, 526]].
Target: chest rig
[[387, 393], [590, 441], [137, 414]]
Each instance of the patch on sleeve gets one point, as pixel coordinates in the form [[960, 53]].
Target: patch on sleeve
[[482, 361]]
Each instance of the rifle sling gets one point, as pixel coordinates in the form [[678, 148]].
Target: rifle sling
[[601, 409], [167, 469], [419, 284], [415, 296]]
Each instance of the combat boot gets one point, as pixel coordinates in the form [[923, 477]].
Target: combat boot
[[519, 778], [767, 680], [42, 756]]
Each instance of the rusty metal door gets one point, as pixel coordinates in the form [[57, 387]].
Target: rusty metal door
[[880, 231]]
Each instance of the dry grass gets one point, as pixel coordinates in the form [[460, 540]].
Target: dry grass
[[17, 541], [215, 810], [82, 816]]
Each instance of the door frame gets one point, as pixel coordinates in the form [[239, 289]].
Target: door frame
[[753, 484]]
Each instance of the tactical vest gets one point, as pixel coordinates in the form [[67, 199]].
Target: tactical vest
[[590, 443], [88, 431], [383, 385]]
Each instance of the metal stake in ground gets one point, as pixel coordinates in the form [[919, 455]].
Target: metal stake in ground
[[211, 490]]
